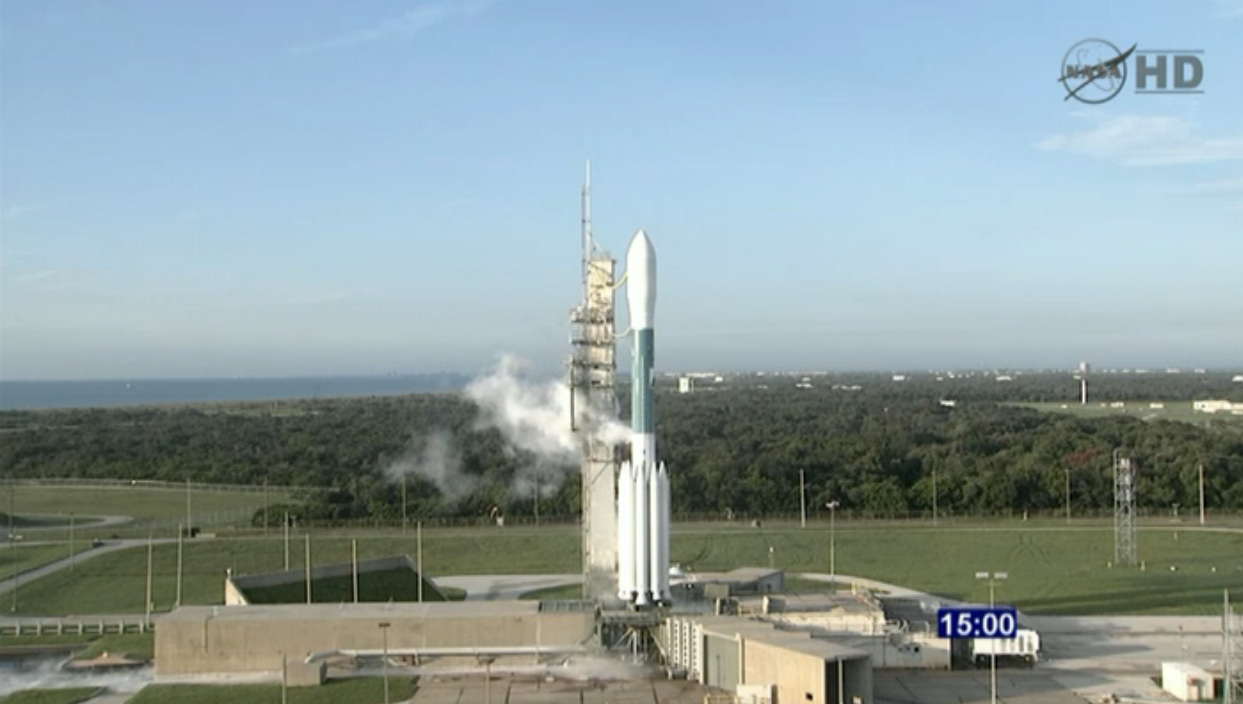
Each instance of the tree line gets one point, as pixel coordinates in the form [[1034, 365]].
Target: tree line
[[732, 448]]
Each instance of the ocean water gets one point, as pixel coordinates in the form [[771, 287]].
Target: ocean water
[[29, 395]]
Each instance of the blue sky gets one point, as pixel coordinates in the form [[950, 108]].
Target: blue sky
[[282, 188]]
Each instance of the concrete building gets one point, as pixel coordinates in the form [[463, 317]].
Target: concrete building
[[1215, 406], [859, 622], [1187, 682], [737, 582], [254, 639], [748, 657]]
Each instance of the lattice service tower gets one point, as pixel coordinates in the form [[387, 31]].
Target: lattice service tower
[[1126, 546], [593, 398]]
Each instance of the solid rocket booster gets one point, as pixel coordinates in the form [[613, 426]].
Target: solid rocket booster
[[643, 485]]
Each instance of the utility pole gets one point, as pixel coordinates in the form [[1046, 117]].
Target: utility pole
[[308, 568], [189, 515], [286, 541], [993, 579], [384, 632], [1067, 471], [802, 500], [150, 556], [265, 505], [418, 541], [832, 506], [1201, 493], [12, 488], [180, 551], [354, 562], [405, 523]]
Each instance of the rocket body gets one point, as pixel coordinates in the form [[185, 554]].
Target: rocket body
[[643, 502]]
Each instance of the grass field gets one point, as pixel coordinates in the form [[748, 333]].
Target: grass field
[[140, 646], [139, 502], [354, 691], [50, 696], [137, 646], [1053, 569], [19, 558], [1169, 410], [32, 521]]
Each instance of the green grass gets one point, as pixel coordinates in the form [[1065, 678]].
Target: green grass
[[136, 646], [116, 583], [1173, 410], [14, 559], [49, 639], [138, 502], [32, 521], [387, 585], [354, 691], [1053, 569], [50, 696], [139, 646]]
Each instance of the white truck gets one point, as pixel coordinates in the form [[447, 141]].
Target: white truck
[[1024, 647]]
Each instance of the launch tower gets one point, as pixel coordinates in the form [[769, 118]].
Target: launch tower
[[593, 396]]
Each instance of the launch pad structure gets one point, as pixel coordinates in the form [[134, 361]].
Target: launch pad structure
[[593, 396]]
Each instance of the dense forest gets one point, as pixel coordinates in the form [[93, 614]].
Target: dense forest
[[733, 447]]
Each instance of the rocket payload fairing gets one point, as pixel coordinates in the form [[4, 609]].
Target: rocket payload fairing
[[643, 484]]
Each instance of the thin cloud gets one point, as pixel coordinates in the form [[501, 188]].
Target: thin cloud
[[1146, 140], [1229, 185], [1230, 8], [36, 276], [14, 212], [410, 23]]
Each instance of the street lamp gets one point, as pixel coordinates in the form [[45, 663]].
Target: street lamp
[[993, 579], [487, 661], [832, 506], [384, 626]]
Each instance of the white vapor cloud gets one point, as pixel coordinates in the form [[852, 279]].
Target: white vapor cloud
[[1146, 140], [412, 22], [532, 414]]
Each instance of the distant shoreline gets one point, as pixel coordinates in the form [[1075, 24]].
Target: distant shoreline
[[65, 395]]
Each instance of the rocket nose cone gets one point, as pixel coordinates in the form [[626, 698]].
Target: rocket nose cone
[[641, 281]]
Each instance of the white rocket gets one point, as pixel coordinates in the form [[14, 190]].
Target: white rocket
[[643, 484]]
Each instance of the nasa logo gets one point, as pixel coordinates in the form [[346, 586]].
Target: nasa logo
[[1094, 71]]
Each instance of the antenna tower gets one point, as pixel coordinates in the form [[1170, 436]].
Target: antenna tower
[[1126, 546]]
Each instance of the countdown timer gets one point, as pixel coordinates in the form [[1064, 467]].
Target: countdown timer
[[1001, 622]]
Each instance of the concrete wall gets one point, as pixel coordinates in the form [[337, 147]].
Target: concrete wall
[[858, 681], [722, 661], [796, 675], [205, 641], [919, 651]]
